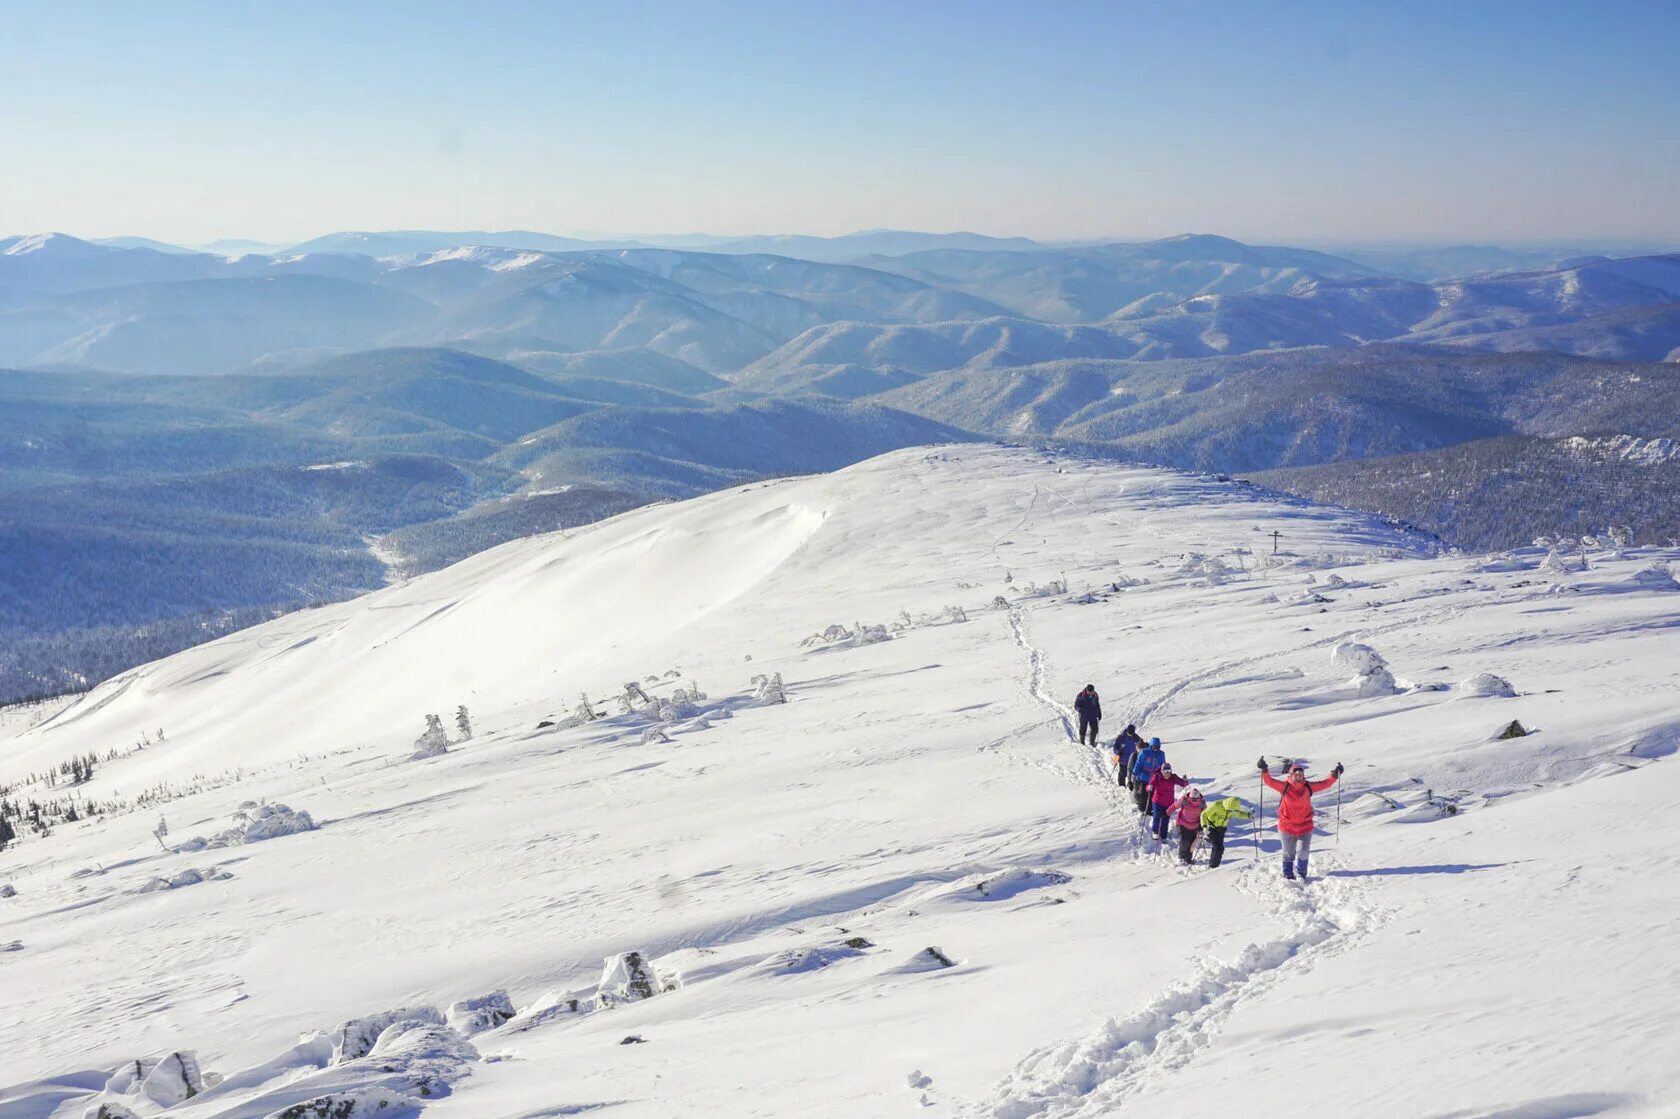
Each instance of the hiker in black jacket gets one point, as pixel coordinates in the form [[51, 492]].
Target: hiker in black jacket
[[1089, 709]]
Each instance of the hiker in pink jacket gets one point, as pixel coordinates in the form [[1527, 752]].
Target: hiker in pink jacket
[[1161, 793], [1187, 814]]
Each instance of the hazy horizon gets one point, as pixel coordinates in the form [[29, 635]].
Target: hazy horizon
[[1282, 123]]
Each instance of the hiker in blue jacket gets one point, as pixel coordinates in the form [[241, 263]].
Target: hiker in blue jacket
[[1148, 760], [1125, 749], [1089, 708]]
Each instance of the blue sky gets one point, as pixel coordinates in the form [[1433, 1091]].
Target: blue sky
[[1309, 123]]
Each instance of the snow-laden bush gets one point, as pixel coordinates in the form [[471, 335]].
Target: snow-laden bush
[[768, 690], [1657, 577], [631, 977], [474, 1016], [839, 635], [1379, 682], [109, 1109], [999, 602], [165, 1081], [1350, 656], [653, 736], [189, 877], [1334, 580], [633, 699], [356, 1037], [253, 823], [1554, 563], [1371, 676], [1487, 684]]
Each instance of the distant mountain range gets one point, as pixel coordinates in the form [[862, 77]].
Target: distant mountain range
[[189, 440]]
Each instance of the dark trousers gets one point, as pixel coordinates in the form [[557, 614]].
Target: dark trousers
[[1216, 845], [1159, 822], [1186, 843], [1087, 725], [1140, 793]]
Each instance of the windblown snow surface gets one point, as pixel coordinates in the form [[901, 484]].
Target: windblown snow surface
[[907, 890]]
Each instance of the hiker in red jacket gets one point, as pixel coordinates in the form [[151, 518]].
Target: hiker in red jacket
[[1295, 813]]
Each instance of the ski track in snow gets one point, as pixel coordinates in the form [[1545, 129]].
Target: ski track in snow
[[1100, 1073]]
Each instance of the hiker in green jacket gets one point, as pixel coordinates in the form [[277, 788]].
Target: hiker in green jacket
[[1218, 814]]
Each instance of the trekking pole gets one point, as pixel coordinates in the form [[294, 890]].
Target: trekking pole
[[1259, 819], [1338, 815]]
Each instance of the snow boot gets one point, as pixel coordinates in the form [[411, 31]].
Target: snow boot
[[1289, 870], [1301, 869]]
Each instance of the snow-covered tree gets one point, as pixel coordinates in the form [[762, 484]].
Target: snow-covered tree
[[769, 690], [433, 741], [463, 722]]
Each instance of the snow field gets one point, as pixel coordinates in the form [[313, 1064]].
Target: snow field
[[918, 792]]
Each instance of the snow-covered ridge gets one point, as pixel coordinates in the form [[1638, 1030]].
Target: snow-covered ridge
[[1627, 448], [673, 893]]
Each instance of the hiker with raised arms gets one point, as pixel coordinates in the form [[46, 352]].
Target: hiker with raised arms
[[1295, 813]]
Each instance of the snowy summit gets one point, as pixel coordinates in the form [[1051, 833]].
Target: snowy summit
[[770, 803]]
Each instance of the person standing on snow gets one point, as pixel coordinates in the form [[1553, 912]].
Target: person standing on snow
[[1295, 813], [1089, 709], [1162, 789], [1188, 811], [1125, 749], [1215, 818], [1148, 760]]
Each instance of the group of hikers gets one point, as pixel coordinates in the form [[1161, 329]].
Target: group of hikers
[[1142, 768]]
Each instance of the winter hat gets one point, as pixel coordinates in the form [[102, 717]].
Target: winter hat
[[1090, 687], [1166, 767], [1154, 741], [1298, 767], [1194, 792]]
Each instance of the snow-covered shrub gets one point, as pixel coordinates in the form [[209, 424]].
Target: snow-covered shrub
[[931, 958], [768, 690], [1349, 656], [165, 1081], [1554, 563], [999, 602], [473, 1016], [1334, 580], [358, 1103], [1656, 576], [252, 824], [1371, 676], [1379, 682], [433, 741], [954, 614], [463, 722], [109, 1109], [356, 1037], [653, 735], [634, 699], [631, 977], [1191, 563], [189, 877], [1487, 684]]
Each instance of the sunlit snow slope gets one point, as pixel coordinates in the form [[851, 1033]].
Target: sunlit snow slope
[[1492, 935]]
